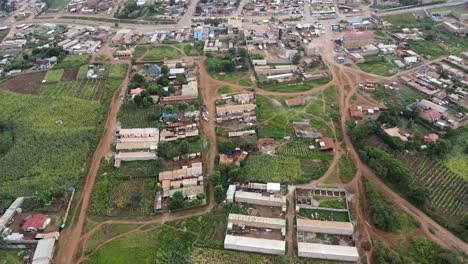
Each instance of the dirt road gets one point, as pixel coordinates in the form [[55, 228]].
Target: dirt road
[[69, 244]]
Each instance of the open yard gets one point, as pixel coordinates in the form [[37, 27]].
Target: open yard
[[56, 4], [409, 20], [12, 256], [297, 87], [73, 62], [380, 65], [156, 53], [274, 119]]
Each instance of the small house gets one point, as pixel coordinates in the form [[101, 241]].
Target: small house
[[38, 222], [153, 70]]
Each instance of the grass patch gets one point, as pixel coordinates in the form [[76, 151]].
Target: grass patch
[[347, 168], [4, 33], [274, 119], [266, 168], [10, 256], [132, 116], [73, 62], [160, 245], [228, 76], [409, 20], [331, 202], [227, 89], [56, 4], [156, 53], [297, 87], [245, 82], [380, 65], [53, 75]]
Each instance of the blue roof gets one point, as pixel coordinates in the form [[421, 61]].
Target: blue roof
[[353, 20], [165, 115], [153, 69]]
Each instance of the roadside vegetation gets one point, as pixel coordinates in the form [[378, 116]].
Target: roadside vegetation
[[384, 215], [347, 168], [420, 250], [419, 176]]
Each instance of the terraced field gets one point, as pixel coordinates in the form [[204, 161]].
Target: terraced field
[[449, 191]]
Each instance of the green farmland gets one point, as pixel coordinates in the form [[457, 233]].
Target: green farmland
[[52, 140]]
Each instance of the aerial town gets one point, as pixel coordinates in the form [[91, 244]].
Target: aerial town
[[241, 131]]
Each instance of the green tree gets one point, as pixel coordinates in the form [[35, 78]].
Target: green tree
[[176, 201], [296, 58], [439, 148], [164, 69], [184, 147], [419, 195], [219, 193]]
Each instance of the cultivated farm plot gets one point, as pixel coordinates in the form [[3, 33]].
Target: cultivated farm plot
[[79, 88], [449, 191]]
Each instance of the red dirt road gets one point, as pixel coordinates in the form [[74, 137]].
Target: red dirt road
[[69, 242]]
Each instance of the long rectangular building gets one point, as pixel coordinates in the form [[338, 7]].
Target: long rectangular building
[[234, 109], [10, 212], [327, 227], [328, 252], [255, 221], [258, 198], [250, 244]]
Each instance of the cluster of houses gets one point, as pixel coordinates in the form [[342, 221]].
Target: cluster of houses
[[213, 8], [90, 6], [443, 83], [290, 8], [239, 108], [188, 180], [84, 40]]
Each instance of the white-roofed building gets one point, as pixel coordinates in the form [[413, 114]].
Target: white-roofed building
[[328, 252], [255, 221], [175, 71], [10, 212], [44, 251], [273, 187], [258, 198], [230, 193], [327, 227], [250, 244]]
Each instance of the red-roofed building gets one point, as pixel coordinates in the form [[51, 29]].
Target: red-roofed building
[[38, 222], [357, 39], [431, 115], [136, 91], [431, 138], [326, 144], [295, 101]]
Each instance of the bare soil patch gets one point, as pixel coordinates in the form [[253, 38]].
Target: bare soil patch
[[69, 75], [24, 84]]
